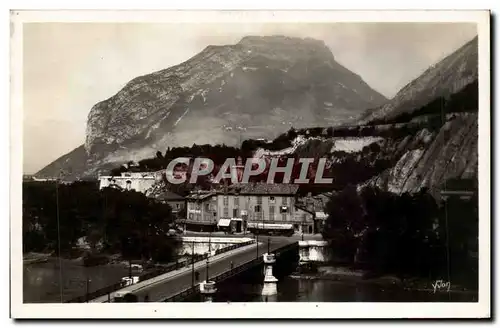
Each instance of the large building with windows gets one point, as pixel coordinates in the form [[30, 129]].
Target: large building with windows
[[246, 207], [138, 181]]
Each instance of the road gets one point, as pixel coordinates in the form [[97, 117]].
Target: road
[[173, 285], [292, 238]]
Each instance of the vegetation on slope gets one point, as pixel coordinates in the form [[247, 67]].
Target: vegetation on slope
[[408, 235]]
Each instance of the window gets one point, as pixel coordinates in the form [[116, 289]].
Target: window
[[235, 213], [283, 212], [257, 208], [271, 212], [236, 201], [215, 213], [271, 199], [226, 201], [226, 212], [259, 199], [191, 216], [207, 206], [177, 205], [285, 200]]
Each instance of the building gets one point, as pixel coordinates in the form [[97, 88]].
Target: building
[[316, 206], [245, 207], [176, 202], [28, 177], [138, 181], [201, 213]]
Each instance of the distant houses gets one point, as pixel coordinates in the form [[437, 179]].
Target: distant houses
[[28, 177], [237, 208], [176, 202], [138, 181]]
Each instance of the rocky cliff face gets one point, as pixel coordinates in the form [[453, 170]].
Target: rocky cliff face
[[430, 159], [424, 137], [446, 94], [256, 88]]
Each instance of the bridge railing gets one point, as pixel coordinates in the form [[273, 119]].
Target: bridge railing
[[228, 273], [157, 272]]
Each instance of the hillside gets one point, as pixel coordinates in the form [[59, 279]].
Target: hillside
[[257, 88], [408, 149], [425, 136]]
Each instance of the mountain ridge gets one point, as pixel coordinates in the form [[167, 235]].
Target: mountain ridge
[[447, 76], [259, 87]]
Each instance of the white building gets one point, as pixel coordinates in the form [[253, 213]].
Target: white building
[[138, 181]]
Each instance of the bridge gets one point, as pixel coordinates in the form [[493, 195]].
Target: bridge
[[179, 284]]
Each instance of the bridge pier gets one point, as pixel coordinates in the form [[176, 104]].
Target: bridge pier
[[208, 289], [269, 290]]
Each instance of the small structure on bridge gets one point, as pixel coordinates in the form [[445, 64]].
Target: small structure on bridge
[[313, 251], [270, 282], [208, 289]]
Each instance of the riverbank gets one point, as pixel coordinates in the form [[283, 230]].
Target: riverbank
[[33, 258]]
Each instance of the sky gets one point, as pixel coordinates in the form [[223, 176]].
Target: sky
[[69, 67]]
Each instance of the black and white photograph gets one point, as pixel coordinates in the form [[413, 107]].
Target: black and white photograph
[[205, 164]]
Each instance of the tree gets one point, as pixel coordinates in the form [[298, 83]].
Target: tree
[[56, 216], [345, 221], [385, 232]]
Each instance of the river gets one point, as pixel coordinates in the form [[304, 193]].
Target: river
[[41, 284], [41, 281], [247, 288]]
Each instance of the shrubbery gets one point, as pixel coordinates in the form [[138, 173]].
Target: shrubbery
[[406, 235]]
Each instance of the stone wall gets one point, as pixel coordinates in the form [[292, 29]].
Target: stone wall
[[202, 245], [314, 251]]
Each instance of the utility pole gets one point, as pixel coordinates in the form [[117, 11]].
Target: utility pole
[[192, 267], [130, 268], [210, 242], [59, 239], [207, 271], [87, 290], [257, 242]]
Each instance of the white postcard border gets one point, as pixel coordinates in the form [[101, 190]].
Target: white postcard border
[[251, 310]]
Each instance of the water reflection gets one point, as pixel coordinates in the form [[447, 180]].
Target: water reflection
[[304, 290], [42, 281]]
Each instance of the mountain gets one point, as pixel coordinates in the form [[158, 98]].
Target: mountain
[[426, 137], [257, 88], [445, 96], [443, 79]]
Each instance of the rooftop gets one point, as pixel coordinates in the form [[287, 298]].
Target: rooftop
[[200, 195], [260, 189], [169, 195]]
